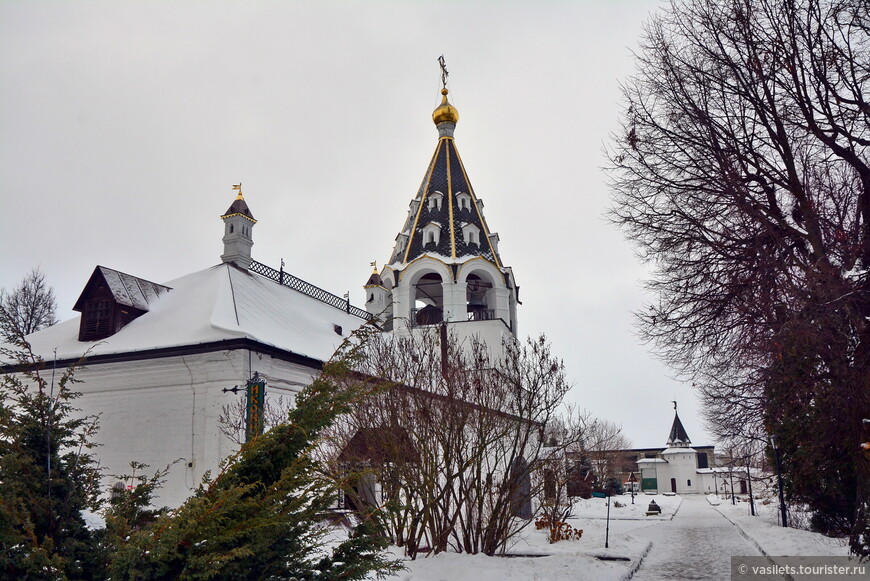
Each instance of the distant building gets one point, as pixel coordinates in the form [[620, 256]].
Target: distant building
[[677, 467]]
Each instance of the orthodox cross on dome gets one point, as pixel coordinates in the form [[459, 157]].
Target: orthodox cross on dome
[[444, 72]]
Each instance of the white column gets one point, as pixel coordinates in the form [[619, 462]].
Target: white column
[[402, 305], [455, 303], [499, 300]]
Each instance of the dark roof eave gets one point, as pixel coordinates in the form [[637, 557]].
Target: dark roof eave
[[162, 352]]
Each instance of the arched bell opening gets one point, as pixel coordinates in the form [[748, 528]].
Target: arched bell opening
[[428, 300], [478, 298]]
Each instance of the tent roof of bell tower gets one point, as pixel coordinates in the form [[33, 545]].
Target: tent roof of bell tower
[[442, 221]]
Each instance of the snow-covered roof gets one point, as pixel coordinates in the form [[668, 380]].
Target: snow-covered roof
[[218, 303], [678, 451], [652, 461], [126, 289]]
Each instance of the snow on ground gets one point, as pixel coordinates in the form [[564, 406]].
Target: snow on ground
[[566, 559], [697, 544], [764, 531], [694, 538]]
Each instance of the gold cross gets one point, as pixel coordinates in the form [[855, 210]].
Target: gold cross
[[444, 72]]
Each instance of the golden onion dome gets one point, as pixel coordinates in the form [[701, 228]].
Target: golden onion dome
[[445, 112]]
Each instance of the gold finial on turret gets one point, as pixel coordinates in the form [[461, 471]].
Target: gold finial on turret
[[238, 187]]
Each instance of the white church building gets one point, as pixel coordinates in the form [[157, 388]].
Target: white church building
[[682, 469], [160, 358]]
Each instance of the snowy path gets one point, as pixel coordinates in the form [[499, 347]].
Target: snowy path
[[697, 544]]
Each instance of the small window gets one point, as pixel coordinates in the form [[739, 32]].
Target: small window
[[463, 201], [432, 233], [470, 233], [688, 482], [231, 228], [435, 201]]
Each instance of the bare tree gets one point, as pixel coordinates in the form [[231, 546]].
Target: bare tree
[[742, 173], [599, 440], [454, 444], [29, 307]]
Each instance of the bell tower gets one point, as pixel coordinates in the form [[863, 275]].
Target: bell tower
[[445, 266]]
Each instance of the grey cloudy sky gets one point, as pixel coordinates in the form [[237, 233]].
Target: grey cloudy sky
[[123, 126]]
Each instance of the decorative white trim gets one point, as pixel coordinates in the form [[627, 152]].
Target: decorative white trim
[[463, 201], [435, 200], [431, 233]]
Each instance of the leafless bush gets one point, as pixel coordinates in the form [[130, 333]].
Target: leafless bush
[[447, 456]]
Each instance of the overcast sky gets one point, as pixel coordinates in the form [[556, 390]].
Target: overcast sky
[[123, 126]]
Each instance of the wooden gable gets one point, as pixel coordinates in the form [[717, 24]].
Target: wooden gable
[[110, 300]]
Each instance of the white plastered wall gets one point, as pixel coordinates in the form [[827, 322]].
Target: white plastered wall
[[160, 410]]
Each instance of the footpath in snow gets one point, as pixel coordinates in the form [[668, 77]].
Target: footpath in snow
[[692, 539], [697, 544]]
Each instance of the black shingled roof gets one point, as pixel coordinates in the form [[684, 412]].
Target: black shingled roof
[[239, 206], [446, 175], [678, 432]]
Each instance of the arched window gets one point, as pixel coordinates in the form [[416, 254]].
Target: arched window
[[432, 233], [231, 228], [470, 233], [477, 299], [428, 300], [463, 201], [435, 201]]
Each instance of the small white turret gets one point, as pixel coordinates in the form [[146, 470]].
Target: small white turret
[[238, 227]]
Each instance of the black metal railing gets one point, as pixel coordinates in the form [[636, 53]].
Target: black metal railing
[[429, 316], [308, 289], [481, 315]]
